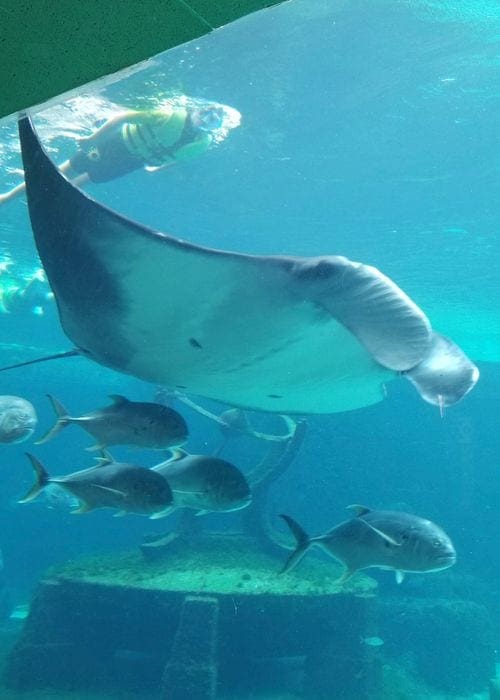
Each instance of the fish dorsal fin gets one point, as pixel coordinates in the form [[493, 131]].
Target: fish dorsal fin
[[177, 453], [399, 576], [381, 534], [118, 399], [358, 510], [105, 458]]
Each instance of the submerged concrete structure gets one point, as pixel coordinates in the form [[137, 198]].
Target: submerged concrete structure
[[210, 616]]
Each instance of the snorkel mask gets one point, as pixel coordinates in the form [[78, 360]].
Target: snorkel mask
[[208, 118]]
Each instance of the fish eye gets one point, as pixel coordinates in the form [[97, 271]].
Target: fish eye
[[405, 537], [436, 543]]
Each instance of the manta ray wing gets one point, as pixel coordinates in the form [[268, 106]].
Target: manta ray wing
[[280, 334]]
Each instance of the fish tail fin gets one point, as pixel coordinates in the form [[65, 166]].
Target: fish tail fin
[[303, 543], [42, 479], [61, 422]]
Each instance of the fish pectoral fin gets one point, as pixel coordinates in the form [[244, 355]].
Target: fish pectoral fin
[[202, 512], [115, 492], [120, 514], [399, 576], [358, 510], [384, 536]]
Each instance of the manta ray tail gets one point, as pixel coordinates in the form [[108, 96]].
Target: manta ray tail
[[57, 356]]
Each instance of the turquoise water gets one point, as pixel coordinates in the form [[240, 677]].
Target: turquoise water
[[368, 130]]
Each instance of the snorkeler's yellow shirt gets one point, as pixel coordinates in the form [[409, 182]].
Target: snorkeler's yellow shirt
[[159, 137]]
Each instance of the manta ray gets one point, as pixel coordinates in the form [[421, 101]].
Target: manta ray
[[271, 333]]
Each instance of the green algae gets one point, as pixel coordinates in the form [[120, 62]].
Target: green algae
[[214, 564]]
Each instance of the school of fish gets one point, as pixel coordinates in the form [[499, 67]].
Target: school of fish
[[392, 540], [204, 483]]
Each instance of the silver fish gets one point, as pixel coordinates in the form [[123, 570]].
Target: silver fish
[[205, 483], [127, 488], [125, 422], [372, 641], [17, 419], [385, 539]]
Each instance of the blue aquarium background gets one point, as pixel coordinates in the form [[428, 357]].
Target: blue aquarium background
[[370, 130]]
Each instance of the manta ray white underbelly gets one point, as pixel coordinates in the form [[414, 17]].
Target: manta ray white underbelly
[[271, 333]]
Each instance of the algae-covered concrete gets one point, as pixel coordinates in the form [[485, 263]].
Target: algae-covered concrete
[[219, 564], [103, 610]]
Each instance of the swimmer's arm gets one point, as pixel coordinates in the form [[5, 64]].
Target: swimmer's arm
[[12, 194], [65, 167], [113, 122], [130, 116]]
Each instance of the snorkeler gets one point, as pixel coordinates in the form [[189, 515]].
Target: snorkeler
[[21, 295], [151, 139]]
